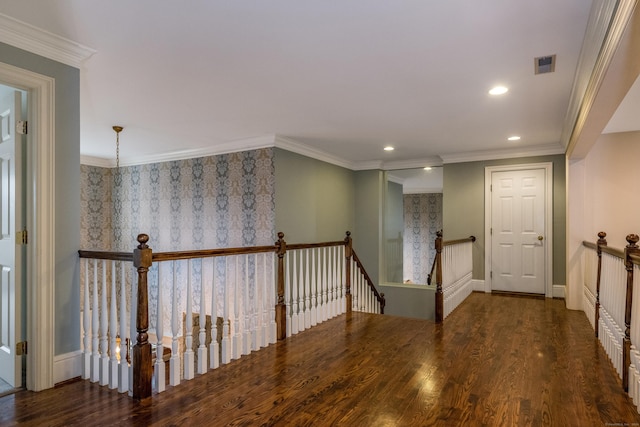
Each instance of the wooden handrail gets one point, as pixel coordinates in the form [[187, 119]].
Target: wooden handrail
[[209, 253], [634, 258], [618, 253], [297, 246], [112, 256], [458, 241], [379, 296]]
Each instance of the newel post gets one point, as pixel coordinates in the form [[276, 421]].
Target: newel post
[[439, 295], [631, 248], [142, 367], [348, 252], [601, 242], [281, 308]]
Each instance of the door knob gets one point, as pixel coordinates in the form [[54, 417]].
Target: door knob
[[540, 238]]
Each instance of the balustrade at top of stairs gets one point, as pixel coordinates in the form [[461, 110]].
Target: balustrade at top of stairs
[[256, 294]]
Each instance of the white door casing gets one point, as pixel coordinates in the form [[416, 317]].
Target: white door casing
[[40, 219], [11, 222], [518, 213]]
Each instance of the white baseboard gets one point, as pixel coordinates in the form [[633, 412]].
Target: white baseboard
[[558, 291], [67, 366], [477, 285]]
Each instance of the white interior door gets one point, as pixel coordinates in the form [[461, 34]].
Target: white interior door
[[518, 230], [11, 222]]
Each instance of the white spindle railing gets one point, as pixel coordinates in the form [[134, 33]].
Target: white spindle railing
[[612, 306], [457, 269], [246, 284], [363, 297], [314, 286], [590, 262], [105, 322]]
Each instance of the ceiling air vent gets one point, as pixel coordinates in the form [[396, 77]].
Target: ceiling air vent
[[545, 64]]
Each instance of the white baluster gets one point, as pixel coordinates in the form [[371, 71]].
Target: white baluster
[[214, 346], [132, 325], [301, 288], [189, 355], [273, 296], [287, 292], [314, 288], [174, 362], [266, 291], [294, 294], [237, 334], [123, 368], [95, 356], [113, 331], [86, 325], [104, 329], [257, 303], [246, 306], [325, 294], [202, 337], [160, 370], [307, 292], [226, 347]]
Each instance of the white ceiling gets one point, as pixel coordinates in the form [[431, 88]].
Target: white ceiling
[[343, 78]]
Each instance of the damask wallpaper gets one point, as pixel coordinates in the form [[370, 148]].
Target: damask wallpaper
[[422, 219], [208, 202]]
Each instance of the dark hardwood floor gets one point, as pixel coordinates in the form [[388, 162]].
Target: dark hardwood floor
[[496, 361]]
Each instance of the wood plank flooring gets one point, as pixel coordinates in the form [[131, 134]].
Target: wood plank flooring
[[496, 361]]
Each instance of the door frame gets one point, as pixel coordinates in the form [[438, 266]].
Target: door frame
[[548, 221], [40, 205]]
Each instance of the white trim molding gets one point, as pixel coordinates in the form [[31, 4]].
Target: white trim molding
[[67, 366], [40, 221], [558, 291], [477, 285], [35, 40], [512, 153], [548, 220]]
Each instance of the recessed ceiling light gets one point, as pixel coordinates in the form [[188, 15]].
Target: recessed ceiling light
[[498, 90], [389, 148], [514, 138], [427, 168]]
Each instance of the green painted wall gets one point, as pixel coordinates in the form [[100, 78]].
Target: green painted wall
[[314, 200], [394, 228], [67, 187], [463, 207], [369, 208]]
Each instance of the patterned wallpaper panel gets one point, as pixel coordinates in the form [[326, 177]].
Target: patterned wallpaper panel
[[422, 219], [95, 207], [208, 202]]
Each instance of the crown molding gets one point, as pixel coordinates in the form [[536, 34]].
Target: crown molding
[[394, 178], [100, 162], [473, 156], [35, 40], [246, 144], [296, 147], [413, 163]]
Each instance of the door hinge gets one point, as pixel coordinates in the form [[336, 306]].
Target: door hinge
[[491, 275], [21, 348], [22, 127], [491, 231], [22, 237]]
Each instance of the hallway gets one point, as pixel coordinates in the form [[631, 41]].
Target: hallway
[[497, 360]]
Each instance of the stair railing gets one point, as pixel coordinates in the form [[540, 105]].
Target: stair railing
[[241, 298]]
